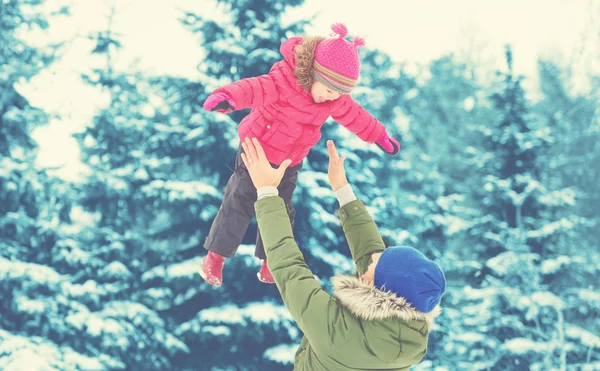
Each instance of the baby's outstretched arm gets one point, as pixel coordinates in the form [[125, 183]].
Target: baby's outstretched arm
[[247, 93], [358, 120]]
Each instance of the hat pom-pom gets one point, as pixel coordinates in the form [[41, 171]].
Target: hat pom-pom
[[358, 41], [340, 29]]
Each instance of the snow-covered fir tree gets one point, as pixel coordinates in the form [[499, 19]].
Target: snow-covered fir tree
[[40, 298], [512, 312], [243, 323]]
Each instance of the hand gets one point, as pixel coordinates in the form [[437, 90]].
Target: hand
[[388, 145], [261, 171], [335, 171], [220, 102]]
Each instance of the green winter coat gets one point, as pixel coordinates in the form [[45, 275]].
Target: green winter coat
[[360, 327]]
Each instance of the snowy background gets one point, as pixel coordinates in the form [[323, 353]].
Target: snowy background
[[111, 174]]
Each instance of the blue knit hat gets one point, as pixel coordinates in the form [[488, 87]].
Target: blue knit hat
[[408, 273]]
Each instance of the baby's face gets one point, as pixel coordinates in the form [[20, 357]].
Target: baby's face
[[321, 94], [369, 275]]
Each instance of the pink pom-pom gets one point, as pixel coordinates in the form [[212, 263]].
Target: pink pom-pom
[[358, 41], [340, 29]]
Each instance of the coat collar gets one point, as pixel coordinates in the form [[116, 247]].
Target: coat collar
[[367, 302]]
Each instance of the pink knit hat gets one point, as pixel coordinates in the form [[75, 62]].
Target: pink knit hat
[[336, 62]]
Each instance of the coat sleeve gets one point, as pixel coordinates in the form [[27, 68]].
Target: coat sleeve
[[355, 118], [317, 313], [255, 91], [362, 234]]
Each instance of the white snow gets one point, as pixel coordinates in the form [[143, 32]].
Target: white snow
[[217, 330], [186, 268], [503, 262], [228, 46], [180, 190], [7, 166], [523, 346], [320, 192], [550, 266], [445, 202], [115, 269], [264, 54], [341, 264], [410, 210], [159, 271], [493, 236], [266, 312], [454, 224], [282, 353], [246, 249], [196, 133], [158, 293], [94, 325], [412, 93], [590, 296], [258, 312], [223, 314], [35, 272], [587, 338], [468, 104], [564, 196], [28, 305], [471, 337], [116, 320], [550, 228], [134, 311], [174, 344], [548, 299], [115, 183], [532, 304], [38, 354], [141, 174]]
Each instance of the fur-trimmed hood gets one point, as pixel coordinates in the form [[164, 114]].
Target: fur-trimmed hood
[[299, 53], [367, 302], [287, 50]]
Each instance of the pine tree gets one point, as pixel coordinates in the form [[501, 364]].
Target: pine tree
[[120, 247], [204, 148], [514, 315], [38, 295], [574, 159]]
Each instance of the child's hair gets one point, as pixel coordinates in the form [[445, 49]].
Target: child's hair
[[305, 55]]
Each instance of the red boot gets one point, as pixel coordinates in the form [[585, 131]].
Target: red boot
[[212, 269], [265, 274]]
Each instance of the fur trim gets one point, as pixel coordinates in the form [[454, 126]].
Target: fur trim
[[305, 55], [367, 302]]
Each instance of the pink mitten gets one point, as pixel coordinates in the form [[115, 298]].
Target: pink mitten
[[388, 144], [220, 102]]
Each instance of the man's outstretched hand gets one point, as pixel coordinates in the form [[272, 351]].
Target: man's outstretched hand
[[335, 171], [261, 171]]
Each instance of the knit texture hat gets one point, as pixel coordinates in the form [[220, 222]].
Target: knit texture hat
[[336, 62], [408, 273]]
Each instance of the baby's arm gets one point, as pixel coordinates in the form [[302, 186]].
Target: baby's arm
[[355, 118], [250, 92]]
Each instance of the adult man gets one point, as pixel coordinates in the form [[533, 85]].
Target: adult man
[[379, 321]]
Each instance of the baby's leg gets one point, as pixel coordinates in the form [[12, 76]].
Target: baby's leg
[[234, 215], [286, 190]]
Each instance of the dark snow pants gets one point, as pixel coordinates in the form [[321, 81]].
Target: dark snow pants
[[237, 210]]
